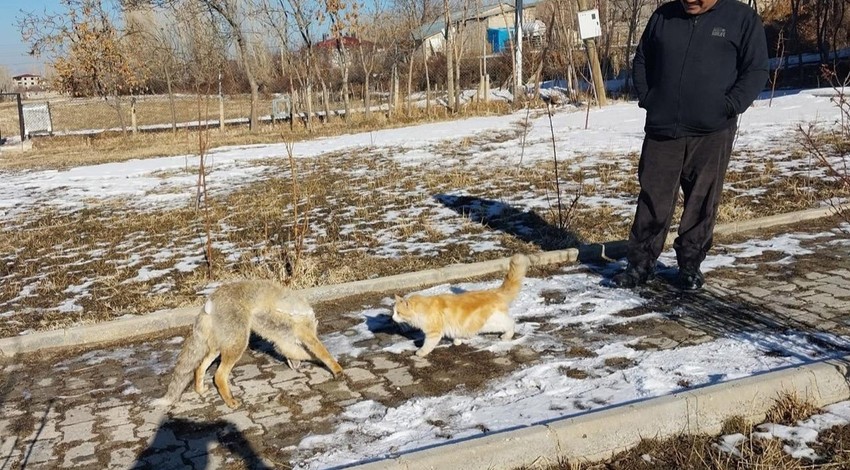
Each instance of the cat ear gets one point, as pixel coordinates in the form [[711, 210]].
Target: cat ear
[[398, 299]]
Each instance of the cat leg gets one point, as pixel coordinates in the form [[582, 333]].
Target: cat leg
[[500, 323], [510, 327], [431, 342]]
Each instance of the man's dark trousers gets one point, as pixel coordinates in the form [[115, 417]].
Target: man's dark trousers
[[697, 164]]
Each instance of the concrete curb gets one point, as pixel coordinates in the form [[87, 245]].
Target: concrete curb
[[184, 316], [598, 435]]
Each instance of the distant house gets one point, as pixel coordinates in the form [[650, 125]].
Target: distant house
[[486, 29], [28, 80], [349, 43]]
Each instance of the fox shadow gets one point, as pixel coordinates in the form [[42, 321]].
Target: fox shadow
[[181, 443], [527, 226]]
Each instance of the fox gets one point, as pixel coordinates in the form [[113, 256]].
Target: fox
[[224, 325], [463, 315]]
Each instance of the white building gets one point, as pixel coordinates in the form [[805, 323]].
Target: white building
[[27, 81]]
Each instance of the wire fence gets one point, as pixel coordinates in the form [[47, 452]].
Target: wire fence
[[387, 96], [394, 88], [11, 119]]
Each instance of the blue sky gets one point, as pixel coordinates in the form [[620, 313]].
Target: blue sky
[[13, 51]]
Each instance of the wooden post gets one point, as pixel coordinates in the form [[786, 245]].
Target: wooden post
[[133, 122], [396, 95], [593, 57]]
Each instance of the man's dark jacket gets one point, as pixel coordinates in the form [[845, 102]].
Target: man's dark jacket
[[695, 73]]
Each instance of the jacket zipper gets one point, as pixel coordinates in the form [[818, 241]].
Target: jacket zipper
[[693, 27]]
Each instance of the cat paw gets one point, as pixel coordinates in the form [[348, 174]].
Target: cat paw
[[457, 342], [507, 335], [422, 353], [161, 403], [293, 364]]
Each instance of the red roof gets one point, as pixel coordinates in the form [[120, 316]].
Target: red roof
[[347, 41]]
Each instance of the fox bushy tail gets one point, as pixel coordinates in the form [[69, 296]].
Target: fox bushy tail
[[194, 349], [516, 272]]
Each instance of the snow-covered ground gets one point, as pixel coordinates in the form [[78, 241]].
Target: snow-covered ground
[[542, 391], [614, 130]]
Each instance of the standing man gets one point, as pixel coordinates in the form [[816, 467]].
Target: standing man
[[699, 64]]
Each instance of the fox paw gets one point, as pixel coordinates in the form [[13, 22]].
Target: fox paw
[[293, 364]]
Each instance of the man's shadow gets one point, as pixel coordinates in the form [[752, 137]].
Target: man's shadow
[[527, 226], [180, 443]]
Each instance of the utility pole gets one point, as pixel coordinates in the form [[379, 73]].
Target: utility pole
[[519, 90], [592, 53]]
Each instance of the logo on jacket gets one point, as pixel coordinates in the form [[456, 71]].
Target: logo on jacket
[[719, 32]]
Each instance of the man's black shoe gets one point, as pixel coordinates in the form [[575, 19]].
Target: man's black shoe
[[633, 276], [690, 279]]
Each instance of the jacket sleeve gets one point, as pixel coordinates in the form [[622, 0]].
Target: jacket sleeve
[[752, 68], [643, 61]]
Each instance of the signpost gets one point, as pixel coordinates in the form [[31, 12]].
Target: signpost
[[589, 29]]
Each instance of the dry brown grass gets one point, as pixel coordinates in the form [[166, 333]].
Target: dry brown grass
[[101, 248], [699, 452], [9, 125], [93, 248], [790, 408], [62, 152]]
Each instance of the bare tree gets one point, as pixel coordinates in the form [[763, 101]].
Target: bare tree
[[632, 10], [448, 48], [228, 10], [277, 19], [306, 19], [6, 83], [85, 48], [342, 22]]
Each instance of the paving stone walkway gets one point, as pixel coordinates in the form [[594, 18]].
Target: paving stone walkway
[[90, 409]]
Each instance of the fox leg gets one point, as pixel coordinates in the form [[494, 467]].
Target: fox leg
[[309, 338], [229, 356], [431, 342], [202, 369], [294, 353]]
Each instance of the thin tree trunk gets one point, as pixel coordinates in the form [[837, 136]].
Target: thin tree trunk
[[448, 49]]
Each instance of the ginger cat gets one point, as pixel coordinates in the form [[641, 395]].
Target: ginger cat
[[463, 315]]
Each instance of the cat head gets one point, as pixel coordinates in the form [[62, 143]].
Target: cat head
[[402, 311]]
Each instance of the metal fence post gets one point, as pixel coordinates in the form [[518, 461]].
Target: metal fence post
[[21, 116]]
